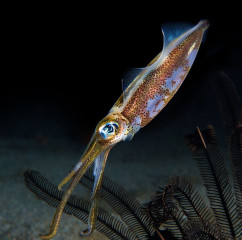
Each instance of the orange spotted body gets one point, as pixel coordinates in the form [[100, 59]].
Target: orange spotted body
[[147, 94], [154, 91]]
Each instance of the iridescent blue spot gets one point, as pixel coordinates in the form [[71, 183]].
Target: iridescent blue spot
[[108, 129]]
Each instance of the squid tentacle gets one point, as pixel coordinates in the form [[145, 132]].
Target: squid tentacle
[[56, 219], [100, 163]]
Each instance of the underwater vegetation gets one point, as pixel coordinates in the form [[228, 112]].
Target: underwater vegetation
[[177, 211], [144, 96]]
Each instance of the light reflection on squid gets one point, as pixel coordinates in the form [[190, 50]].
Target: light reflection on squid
[[142, 99]]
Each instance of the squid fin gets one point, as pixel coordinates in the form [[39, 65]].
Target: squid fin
[[173, 31], [129, 77], [173, 35]]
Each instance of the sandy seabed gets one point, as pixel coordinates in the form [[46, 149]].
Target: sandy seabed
[[137, 165], [156, 154]]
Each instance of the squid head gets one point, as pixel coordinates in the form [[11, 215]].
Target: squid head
[[109, 131], [143, 98]]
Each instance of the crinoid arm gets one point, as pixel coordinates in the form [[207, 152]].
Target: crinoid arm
[[230, 106], [219, 190], [107, 224]]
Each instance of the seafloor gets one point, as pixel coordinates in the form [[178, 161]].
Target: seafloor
[[155, 154], [40, 131]]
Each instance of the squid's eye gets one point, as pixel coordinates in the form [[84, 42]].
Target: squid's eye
[[108, 129]]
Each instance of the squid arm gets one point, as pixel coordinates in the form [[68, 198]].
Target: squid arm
[[143, 98]]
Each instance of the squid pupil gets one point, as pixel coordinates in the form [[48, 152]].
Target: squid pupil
[[109, 129]]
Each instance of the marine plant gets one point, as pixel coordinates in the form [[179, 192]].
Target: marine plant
[[177, 211], [143, 97]]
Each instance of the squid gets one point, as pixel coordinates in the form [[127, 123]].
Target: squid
[[145, 94]]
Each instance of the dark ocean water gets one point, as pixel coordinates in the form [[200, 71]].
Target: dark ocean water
[[51, 102]]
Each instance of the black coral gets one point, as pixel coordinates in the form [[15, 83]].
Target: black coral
[[46, 191], [187, 214], [124, 204], [215, 176], [177, 211]]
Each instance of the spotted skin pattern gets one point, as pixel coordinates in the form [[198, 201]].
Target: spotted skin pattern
[[141, 101], [161, 83]]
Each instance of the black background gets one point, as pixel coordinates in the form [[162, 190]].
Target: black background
[[63, 63]]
